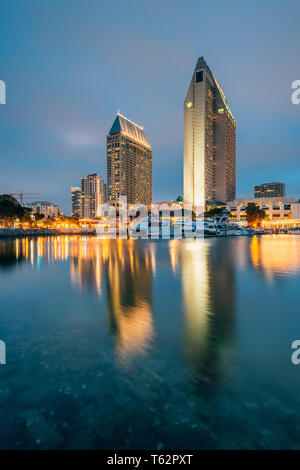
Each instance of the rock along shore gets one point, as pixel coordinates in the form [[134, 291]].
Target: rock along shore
[[16, 232]]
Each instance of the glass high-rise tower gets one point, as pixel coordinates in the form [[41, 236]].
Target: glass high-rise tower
[[129, 162], [75, 201], [209, 141]]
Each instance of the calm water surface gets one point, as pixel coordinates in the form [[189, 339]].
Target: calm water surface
[[150, 345]]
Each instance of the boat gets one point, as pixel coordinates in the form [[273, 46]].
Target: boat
[[158, 227], [150, 226], [245, 231]]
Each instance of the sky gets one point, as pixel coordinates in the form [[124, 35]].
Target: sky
[[70, 65]]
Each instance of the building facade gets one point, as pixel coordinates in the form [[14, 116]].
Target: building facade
[[276, 208], [102, 190], [90, 200], [267, 190], [129, 163], [45, 208], [209, 141], [75, 201]]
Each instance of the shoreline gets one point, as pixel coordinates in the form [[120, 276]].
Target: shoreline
[[7, 233]]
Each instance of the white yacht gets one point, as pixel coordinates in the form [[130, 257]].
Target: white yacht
[[150, 226]]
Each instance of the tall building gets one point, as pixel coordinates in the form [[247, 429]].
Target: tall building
[[90, 196], [269, 190], [129, 162], [75, 201], [209, 141], [102, 190]]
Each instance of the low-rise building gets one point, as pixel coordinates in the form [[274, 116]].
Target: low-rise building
[[278, 210], [46, 208]]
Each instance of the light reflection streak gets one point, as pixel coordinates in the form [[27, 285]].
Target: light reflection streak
[[121, 268], [276, 255]]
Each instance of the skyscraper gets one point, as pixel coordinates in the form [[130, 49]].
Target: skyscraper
[[90, 196], [75, 201], [269, 190], [102, 190], [209, 141], [129, 162]]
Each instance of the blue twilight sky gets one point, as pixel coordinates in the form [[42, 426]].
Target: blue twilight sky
[[69, 65]]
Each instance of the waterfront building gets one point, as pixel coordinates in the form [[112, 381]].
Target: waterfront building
[[129, 162], [45, 208], [269, 190], [209, 141], [278, 210], [75, 201], [90, 200]]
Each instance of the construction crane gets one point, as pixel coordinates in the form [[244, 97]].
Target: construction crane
[[21, 196]]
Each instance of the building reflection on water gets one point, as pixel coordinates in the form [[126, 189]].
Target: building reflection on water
[[275, 255], [124, 269], [208, 285], [34, 250], [129, 271], [120, 273]]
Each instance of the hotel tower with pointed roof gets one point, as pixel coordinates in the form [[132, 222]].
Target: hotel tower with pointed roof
[[209, 141], [129, 162]]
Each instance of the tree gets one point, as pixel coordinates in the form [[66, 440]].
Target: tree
[[254, 214], [10, 209], [26, 217], [216, 212], [69, 220]]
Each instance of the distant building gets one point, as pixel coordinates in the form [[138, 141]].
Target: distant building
[[129, 162], [269, 190], [45, 208], [209, 141], [75, 201], [90, 200]]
